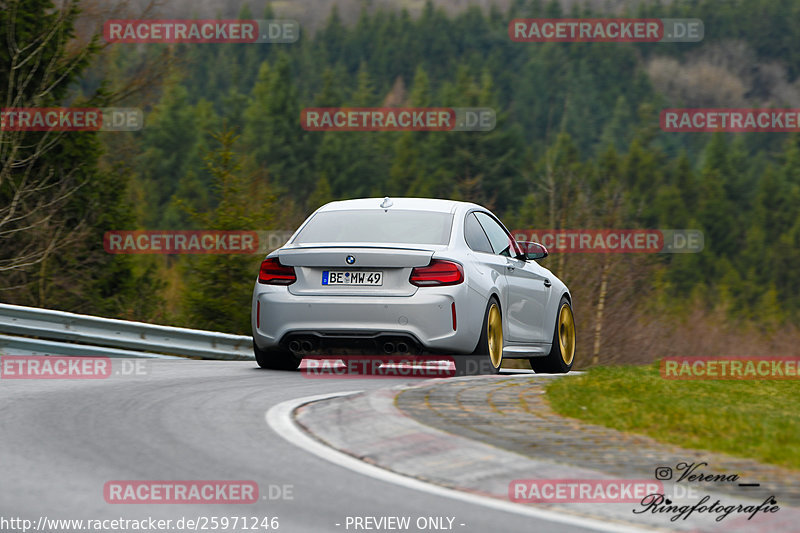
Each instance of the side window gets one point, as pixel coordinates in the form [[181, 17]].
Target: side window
[[475, 236], [501, 242]]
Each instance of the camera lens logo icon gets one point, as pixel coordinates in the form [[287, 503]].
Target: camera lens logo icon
[[663, 473]]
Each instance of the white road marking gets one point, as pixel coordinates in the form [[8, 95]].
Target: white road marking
[[280, 419]]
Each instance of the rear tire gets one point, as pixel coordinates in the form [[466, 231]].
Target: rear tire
[[488, 356], [562, 353], [276, 358]]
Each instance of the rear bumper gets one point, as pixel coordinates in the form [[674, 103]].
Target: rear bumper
[[425, 317]]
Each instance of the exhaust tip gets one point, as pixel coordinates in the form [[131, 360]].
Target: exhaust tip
[[402, 347], [294, 346], [388, 348], [306, 346]]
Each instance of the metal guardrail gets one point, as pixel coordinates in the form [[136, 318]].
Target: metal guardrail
[[45, 331]]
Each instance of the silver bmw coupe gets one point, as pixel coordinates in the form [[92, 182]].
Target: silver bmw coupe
[[398, 276]]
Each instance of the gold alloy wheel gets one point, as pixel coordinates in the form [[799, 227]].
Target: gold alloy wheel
[[566, 333], [494, 333]]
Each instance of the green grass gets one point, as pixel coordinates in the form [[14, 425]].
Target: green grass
[[754, 419]]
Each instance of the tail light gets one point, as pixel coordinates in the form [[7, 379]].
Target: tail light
[[274, 273], [437, 273]]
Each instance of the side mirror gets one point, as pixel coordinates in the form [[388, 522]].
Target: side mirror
[[533, 250]]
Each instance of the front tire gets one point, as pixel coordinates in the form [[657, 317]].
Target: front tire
[[562, 353], [488, 356], [276, 359]]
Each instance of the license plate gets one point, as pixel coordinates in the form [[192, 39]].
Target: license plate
[[358, 277]]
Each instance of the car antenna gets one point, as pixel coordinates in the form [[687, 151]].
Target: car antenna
[[386, 203]]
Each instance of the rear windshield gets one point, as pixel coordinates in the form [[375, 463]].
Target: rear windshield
[[378, 226]]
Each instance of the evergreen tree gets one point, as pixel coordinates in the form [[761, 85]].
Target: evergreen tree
[[218, 288]]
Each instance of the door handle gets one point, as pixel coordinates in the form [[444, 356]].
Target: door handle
[[510, 268], [547, 282]]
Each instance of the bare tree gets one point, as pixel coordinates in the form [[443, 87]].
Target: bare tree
[[32, 192], [41, 58]]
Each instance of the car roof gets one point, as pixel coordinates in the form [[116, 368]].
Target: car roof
[[419, 204]]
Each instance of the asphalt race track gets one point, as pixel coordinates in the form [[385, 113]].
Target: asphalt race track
[[61, 440]]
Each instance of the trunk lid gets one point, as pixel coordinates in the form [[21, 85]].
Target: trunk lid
[[319, 267]]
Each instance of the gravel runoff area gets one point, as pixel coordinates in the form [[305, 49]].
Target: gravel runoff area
[[479, 434]]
